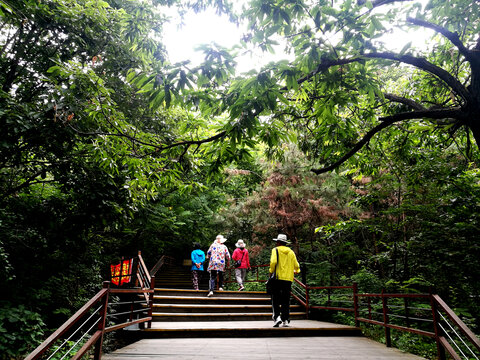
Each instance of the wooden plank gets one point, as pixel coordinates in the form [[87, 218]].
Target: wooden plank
[[320, 348]]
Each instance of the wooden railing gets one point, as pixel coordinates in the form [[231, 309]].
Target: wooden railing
[[165, 260], [110, 309], [421, 314]]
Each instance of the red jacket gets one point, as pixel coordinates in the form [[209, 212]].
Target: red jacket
[[237, 255]]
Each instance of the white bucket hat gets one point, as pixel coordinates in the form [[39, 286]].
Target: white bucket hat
[[222, 238], [240, 243], [282, 238]]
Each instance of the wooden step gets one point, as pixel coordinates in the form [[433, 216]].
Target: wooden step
[[215, 308], [250, 316], [162, 299], [240, 329], [203, 293]]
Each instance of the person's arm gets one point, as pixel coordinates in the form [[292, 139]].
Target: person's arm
[[227, 256], [273, 261], [296, 266], [247, 260]]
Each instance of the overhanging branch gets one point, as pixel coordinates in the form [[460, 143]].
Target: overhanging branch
[[427, 66], [453, 37], [402, 100], [386, 122]]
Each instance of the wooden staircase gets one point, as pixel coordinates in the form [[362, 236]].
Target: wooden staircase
[[180, 311], [191, 305]]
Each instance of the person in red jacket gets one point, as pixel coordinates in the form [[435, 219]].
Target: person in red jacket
[[240, 258]]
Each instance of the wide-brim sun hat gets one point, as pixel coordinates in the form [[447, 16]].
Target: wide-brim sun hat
[[282, 238], [222, 238], [240, 243]]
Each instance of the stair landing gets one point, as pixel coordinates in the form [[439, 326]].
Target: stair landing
[[247, 329], [278, 348]]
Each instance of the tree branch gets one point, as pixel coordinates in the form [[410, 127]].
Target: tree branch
[[158, 147], [386, 122], [427, 66], [402, 100], [453, 37]]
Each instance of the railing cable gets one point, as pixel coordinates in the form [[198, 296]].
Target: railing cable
[[78, 341], [458, 336], [78, 329]]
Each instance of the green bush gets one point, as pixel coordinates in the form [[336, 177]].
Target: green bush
[[21, 331]]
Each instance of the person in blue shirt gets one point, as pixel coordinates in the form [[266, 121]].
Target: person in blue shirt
[[198, 257]]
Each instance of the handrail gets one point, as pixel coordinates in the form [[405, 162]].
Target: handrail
[[440, 305], [72, 321], [164, 260], [74, 324], [391, 315]]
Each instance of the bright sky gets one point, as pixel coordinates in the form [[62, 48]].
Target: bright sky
[[202, 28], [208, 27]]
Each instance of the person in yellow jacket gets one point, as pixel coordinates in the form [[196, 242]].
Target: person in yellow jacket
[[284, 266]]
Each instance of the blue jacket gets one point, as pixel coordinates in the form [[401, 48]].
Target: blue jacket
[[198, 256]]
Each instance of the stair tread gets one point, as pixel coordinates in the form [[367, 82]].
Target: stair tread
[[260, 324], [227, 306], [155, 313], [160, 297]]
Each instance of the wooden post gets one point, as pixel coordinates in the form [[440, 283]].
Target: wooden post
[[355, 303], [440, 349], [150, 301], [388, 339], [101, 325]]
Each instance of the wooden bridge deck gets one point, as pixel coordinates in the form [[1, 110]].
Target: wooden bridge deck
[[322, 348]]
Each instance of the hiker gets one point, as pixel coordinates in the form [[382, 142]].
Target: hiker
[[241, 262], [285, 265], [219, 255], [198, 257]]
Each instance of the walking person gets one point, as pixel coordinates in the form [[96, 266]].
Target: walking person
[[219, 255], [241, 262], [285, 265], [198, 257]]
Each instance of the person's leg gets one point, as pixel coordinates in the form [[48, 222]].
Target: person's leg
[[213, 277], [244, 275], [238, 277], [220, 279], [195, 279], [276, 297], [200, 277], [286, 287]]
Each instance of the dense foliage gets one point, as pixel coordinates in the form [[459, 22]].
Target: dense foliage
[[106, 147]]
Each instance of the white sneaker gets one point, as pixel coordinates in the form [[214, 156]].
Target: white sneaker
[[220, 289], [241, 288], [277, 322], [210, 293], [286, 323]]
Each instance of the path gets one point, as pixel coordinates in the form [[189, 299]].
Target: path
[[322, 348]]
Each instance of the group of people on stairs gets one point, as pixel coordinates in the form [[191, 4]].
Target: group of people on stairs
[[283, 264]]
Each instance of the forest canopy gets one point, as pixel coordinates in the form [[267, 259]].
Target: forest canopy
[[365, 154]]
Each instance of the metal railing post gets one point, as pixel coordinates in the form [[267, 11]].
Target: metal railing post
[[101, 325]]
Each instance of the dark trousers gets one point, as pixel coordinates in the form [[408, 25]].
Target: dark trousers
[[213, 277], [281, 299]]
